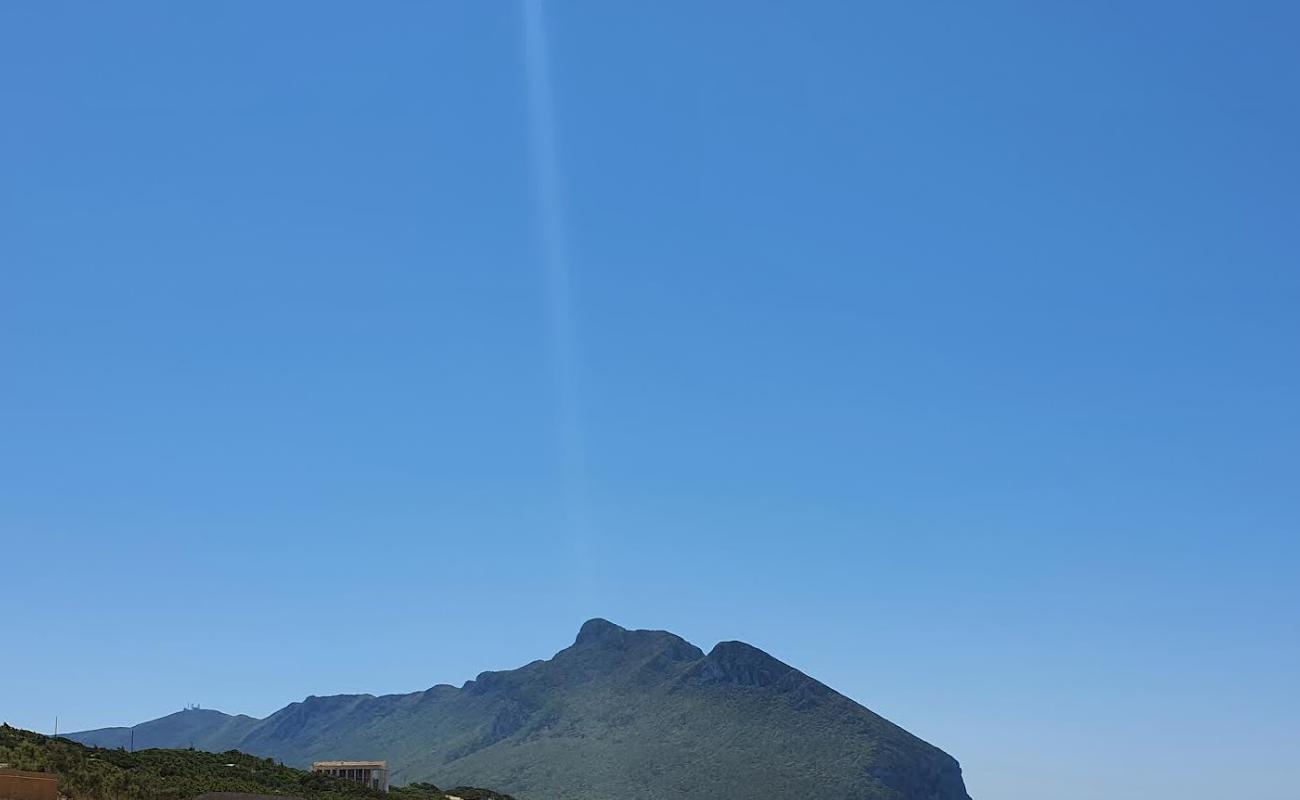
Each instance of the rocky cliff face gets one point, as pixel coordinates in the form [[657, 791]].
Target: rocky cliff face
[[637, 715]]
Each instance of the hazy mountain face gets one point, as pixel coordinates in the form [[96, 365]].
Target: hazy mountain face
[[203, 729], [629, 714]]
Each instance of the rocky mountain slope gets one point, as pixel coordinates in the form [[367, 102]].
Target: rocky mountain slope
[[637, 715]]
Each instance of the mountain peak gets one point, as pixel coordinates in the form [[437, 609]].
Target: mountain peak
[[745, 665], [596, 629]]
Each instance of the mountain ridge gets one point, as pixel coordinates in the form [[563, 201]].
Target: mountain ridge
[[635, 714]]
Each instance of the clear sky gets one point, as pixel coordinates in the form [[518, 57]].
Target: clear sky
[[946, 350]]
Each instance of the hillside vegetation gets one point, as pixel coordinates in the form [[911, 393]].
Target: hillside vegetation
[[94, 773]]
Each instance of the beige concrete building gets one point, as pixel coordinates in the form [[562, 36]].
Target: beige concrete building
[[367, 773]]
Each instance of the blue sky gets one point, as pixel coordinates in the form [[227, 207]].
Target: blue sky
[[945, 350]]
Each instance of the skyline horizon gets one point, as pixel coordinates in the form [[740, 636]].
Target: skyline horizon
[[191, 705]]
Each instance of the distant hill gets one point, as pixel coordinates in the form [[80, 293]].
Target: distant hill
[[203, 729], [91, 773], [632, 715]]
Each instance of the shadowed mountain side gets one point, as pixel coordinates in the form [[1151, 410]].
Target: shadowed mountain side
[[629, 714]]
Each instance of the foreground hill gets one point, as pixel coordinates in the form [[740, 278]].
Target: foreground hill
[[634, 715], [91, 773]]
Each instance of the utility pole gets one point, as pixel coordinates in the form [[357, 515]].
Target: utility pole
[[56, 727]]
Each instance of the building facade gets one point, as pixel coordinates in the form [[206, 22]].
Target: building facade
[[367, 773]]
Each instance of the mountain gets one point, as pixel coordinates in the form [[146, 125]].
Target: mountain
[[90, 773], [203, 729], [633, 715]]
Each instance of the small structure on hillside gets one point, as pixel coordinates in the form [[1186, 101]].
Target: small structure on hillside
[[15, 784], [367, 773]]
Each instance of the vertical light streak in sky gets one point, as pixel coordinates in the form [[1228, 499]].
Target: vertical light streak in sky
[[559, 292]]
